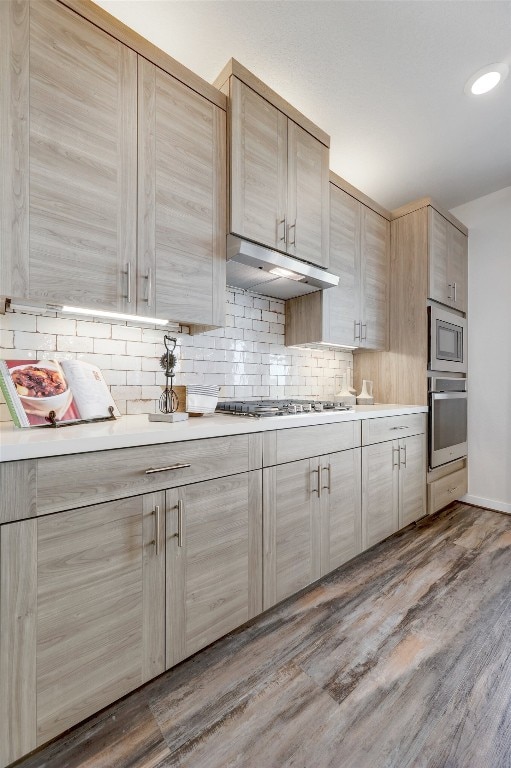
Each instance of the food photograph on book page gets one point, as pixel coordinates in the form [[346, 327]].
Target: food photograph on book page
[[72, 389]]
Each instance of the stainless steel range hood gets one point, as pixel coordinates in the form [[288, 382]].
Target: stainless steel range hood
[[259, 269]]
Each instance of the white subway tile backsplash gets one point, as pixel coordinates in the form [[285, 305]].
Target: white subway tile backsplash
[[126, 332], [74, 344], [56, 325], [261, 303], [246, 359], [109, 347], [35, 341], [19, 322], [96, 330], [6, 339], [140, 349]]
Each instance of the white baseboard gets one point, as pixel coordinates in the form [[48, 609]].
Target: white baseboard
[[498, 506]]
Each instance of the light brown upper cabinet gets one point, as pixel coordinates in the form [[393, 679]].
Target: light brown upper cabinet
[[81, 105], [355, 313], [73, 232], [448, 258], [278, 170], [182, 193]]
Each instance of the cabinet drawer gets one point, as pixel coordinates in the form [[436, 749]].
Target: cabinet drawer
[[392, 427], [65, 482], [447, 489], [305, 442]]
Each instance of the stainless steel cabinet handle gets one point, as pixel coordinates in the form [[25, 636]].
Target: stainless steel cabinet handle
[[291, 227], [180, 522], [454, 285], [149, 278], [283, 239], [355, 334], [152, 470], [318, 489], [329, 486], [394, 451], [403, 449], [128, 282], [363, 336], [403, 427], [157, 525]]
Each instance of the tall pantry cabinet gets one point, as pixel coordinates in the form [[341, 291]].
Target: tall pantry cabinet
[[429, 255], [98, 145]]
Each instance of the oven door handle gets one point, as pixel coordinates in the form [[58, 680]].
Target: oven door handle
[[448, 395]]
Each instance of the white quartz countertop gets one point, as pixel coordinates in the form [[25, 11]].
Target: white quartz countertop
[[129, 431]]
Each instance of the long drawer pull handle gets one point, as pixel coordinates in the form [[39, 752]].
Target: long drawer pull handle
[[180, 521], [157, 523], [405, 427], [152, 470]]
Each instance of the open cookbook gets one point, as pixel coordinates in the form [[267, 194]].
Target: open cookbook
[[70, 389]]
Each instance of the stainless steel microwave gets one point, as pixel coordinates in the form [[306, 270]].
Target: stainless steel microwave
[[447, 341]]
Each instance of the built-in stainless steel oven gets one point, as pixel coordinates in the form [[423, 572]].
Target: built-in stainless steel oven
[[447, 420], [447, 341]]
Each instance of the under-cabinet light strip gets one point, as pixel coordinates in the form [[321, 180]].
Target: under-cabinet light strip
[[21, 306]]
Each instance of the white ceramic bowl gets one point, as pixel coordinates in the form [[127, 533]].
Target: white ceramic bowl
[[41, 406]]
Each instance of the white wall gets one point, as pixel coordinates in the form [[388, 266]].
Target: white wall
[[489, 347]]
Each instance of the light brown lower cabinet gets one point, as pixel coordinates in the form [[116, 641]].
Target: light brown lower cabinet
[[213, 552], [393, 486], [98, 600], [311, 521]]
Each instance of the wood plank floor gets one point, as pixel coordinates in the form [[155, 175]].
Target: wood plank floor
[[401, 658]]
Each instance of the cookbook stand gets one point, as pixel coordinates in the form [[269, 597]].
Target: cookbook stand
[[54, 422]]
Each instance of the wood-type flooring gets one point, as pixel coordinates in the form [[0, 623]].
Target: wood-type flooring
[[400, 659]]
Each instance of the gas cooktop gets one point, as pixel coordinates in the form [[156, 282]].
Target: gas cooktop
[[264, 408]]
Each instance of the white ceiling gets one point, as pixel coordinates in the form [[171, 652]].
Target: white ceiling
[[384, 78]]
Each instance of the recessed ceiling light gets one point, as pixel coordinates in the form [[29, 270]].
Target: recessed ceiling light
[[486, 78]]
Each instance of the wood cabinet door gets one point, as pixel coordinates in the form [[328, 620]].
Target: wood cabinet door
[[214, 581], [82, 155], [308, 197], [438, 227], [258, 168], [18, 633], [100, 607], [380, 490], [292, 529], [457, 245], [374, 249], [341, 519], [182, 191], [412, 479], [341, 305]]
